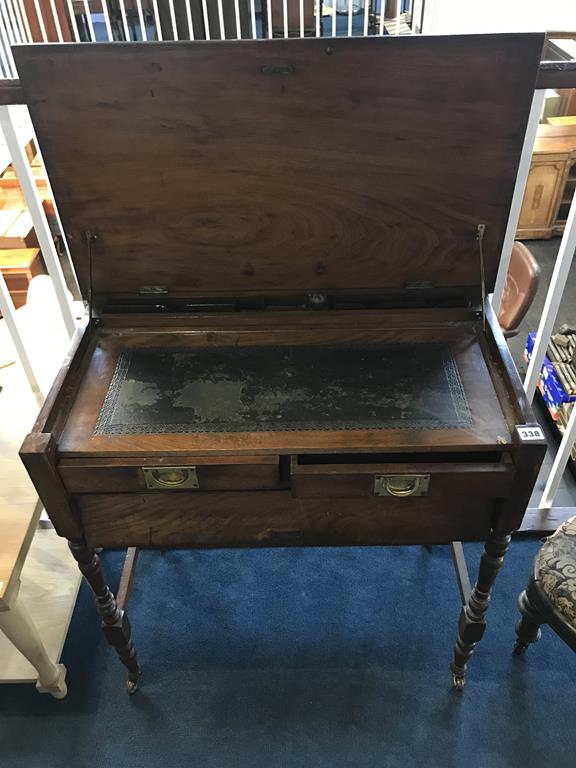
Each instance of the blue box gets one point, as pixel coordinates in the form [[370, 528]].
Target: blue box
[[549, 384]]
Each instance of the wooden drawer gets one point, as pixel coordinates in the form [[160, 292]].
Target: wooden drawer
[[276, 518], [214, 473], [435, 480]]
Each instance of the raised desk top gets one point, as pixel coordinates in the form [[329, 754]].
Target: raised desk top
[[329, 165]]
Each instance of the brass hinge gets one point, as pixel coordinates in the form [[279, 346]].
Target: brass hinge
[[480, 231]]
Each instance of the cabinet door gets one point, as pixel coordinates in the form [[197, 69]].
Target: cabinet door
[[541, 197]]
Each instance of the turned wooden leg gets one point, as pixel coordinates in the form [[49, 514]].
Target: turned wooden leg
[[528, 628], [472, 618], [115, 622]]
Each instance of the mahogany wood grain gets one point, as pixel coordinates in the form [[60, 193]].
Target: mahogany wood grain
[[489, 427], [275, 518], [362, 319], [55, 408], [528, 457], [38, 453], [448, 480], [317, 170], [231, 473], [506, 371]]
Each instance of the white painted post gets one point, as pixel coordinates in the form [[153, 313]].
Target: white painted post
[[8, 122], [173, 18], [73, 21], [269, 13], [553, 299], [382, 11], [366, 15], [318, 16], [17, 625], [397, 17], [56, 21], [206, 20], [124, 21], [157, 20], [301, 12], [189, 20], [107, 21], [6, 21], [24, 16], [221, 20], [518, 197], [9, 314], [16, 25], [350, 18], [141, 20], [89, 22], [40, 21], [562, 456], [334, 17], [237, 15], [285, 16], [253, 19], [5, 52]]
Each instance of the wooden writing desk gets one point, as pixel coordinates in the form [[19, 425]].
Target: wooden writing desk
[[287, 245]]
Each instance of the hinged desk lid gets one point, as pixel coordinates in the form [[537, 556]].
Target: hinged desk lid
[[285, 165]]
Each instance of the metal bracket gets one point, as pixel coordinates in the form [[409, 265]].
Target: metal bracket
[[480, 231], [90, 238]]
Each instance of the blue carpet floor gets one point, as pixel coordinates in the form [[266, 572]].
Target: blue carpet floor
[[301, 658]]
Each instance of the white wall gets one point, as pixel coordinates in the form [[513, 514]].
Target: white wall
[[450, 17]]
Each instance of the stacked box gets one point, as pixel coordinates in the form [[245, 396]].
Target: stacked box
[[549, 384]]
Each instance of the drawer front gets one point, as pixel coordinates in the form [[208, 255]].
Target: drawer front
[[162, 476], [276, 518], [403, 481]]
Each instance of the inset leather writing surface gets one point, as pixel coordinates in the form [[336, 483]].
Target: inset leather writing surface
[[235, 389], [292, 165], [491, 414]]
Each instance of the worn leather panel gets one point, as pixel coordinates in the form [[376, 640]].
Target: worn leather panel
[[265, 388]]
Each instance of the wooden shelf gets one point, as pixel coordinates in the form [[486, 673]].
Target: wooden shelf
[[37, 558]]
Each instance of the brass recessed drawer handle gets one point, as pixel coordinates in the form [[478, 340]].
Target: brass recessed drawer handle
[[170, 478], [401, 485]]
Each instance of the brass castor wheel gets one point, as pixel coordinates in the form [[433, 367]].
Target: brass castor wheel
[[133, 683], [458, 682], [520, 647]]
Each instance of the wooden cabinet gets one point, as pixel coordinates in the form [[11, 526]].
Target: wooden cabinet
[[551, 183], [538, 213]]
